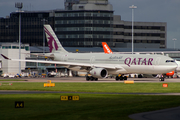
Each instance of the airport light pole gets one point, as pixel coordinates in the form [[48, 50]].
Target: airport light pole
[[174, 39], [132, 7], [44, 20], [19, 6]]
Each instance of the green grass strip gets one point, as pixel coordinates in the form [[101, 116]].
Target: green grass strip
[[97, 87], [89, 107]]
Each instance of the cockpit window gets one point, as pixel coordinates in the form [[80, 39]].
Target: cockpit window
[[170, 61]]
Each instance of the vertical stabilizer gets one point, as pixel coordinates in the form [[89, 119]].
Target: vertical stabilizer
[[106, 48], [53, 42]]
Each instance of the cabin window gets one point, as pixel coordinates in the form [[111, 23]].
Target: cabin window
[[170, 61]]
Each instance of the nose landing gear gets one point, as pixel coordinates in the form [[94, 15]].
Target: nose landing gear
[[161, 78]]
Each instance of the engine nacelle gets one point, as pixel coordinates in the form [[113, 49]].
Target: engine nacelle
[[99, 72]]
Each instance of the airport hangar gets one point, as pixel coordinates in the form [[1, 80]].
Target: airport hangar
[[12, 51]]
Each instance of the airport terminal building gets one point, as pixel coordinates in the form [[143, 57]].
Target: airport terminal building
[[146, 34], [12, 51], [83, 23]]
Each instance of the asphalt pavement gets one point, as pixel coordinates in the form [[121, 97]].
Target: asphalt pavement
[[165, 114]]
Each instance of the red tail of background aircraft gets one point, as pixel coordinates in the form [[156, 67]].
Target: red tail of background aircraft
[[170, 73], [106, 48]]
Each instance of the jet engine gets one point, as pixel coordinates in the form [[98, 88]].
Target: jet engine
[[99, 72]]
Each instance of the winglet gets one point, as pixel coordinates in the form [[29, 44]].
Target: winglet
[[5, 57]]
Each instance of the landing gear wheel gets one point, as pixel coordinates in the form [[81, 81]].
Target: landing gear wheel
[[91, 78], [117, 78], [87, 78], [125, 77], [96, 79], [121, 78]]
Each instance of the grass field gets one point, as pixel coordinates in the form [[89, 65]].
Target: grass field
[[97, 87], [90, 106]]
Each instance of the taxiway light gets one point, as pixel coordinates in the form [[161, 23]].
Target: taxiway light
[[165, 85], [129, 82], [49, 84]]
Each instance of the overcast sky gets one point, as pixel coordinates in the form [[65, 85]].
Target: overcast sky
[[147, 11]]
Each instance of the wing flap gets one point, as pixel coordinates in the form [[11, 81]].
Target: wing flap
[[43, 55]]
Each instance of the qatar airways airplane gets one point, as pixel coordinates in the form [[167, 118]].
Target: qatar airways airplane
[[99, 65], [107, 50]]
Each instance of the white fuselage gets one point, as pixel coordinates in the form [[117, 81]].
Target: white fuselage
[[123, 63]]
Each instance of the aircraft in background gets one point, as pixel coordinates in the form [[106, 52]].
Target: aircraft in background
[[107, 50], [99, 65], [170, 74]]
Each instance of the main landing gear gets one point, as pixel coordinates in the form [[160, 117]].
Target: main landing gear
[[91, 78], [121, 77]]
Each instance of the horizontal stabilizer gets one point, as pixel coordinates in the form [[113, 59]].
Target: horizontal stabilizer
[[5, 57]]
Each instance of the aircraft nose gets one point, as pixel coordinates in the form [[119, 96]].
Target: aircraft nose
[[178, 66], [173, 67]]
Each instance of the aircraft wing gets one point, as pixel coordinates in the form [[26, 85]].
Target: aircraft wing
[[109, 66]]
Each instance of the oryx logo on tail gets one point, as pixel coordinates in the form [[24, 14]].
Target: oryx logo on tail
[[51, 40]]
